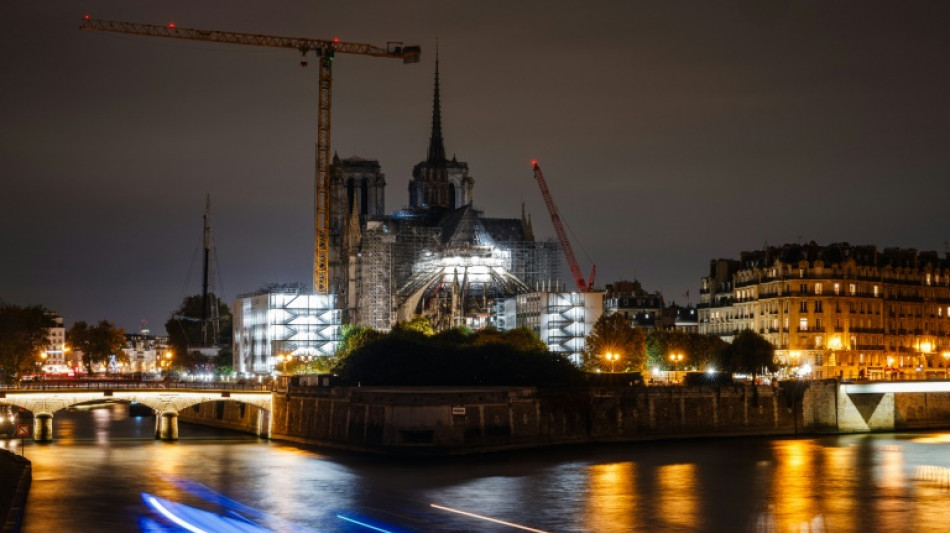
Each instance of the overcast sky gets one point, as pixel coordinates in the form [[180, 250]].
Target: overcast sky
[[670, 133]]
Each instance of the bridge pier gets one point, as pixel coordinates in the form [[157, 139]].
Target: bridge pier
[[166, 426], [43, 427]]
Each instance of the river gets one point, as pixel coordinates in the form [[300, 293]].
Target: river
[[105, 473]]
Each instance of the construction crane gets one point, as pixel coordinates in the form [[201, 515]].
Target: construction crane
[[325, 51], [582, 285]]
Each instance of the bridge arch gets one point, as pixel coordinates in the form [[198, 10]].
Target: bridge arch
[[165, 403]]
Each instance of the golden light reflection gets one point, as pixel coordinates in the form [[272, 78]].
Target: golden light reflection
[[940, 438], [677, 489], [838, 486], [792, 489], [611, 503]]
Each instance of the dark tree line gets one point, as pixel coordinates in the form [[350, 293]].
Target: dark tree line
[[640, 350], [411, 355]]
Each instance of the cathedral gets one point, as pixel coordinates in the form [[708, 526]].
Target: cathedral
[[440, 258]]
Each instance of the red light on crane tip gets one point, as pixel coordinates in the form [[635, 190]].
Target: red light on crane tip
[[86, 17], [171, 24], [336, 39], [534, 162]]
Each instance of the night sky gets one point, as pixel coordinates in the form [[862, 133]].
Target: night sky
[[670, 133]]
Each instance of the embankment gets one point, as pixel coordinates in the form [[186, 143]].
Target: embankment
[[16, 474]]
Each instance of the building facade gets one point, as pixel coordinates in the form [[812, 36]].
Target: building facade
[[282, 321], [837, 310], [147, 353], [563, 320]]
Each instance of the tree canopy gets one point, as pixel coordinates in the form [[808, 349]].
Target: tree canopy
[[750, 353], [454, 357], [97, 343], [612, 333], [23, 335], [700, 352], [186, 333]]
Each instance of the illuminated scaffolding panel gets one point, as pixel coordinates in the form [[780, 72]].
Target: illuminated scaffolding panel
[[375, 283], [563, 320], [283, 320]]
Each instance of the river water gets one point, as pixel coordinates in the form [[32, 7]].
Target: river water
[[105, 473]]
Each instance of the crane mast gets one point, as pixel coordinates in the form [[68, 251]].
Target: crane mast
[[582, 285], [325, 50]]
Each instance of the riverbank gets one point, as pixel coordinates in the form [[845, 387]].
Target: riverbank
[[16, 473]]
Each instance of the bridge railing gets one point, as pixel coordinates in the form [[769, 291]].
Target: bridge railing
[[79, 385]]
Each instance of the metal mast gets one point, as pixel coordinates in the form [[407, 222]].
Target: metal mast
[[325, 50]]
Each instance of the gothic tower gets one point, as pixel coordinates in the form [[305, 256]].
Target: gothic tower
[[438, 182]]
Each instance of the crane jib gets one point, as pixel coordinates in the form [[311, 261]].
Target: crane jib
[[409, 54]]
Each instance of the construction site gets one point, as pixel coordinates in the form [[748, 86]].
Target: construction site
[[440, 258]]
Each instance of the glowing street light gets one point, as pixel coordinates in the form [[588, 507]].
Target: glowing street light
[[612, 358], [675, 359]]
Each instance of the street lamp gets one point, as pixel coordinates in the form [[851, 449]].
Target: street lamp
[[675, 359], [612, 358]]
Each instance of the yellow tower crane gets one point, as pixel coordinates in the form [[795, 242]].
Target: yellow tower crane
[[325, 51]]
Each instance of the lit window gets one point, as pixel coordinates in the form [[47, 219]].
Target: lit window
[[852, 288], [876, 291], [837, 289], [803, 324], [818, 288]]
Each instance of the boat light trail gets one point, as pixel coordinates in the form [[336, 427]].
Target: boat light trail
[[357, 522], [495, 520]]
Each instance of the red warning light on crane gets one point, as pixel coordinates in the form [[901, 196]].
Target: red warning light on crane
[[86, 17], [534, 162], [171, 25]]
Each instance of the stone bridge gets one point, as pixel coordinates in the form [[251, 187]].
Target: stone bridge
[[165, 399], [892, 405]]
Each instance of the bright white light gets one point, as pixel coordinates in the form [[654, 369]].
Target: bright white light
[[711, 370], [805, 370], [656, 371], [173, 517], [495, 520], [905, 386]]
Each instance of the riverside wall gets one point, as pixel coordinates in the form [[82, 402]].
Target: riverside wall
[[16, 474], [463, 420], [440, 420]]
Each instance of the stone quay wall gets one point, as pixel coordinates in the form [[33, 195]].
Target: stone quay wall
[[16, 474], [434, 420], [462, 420]]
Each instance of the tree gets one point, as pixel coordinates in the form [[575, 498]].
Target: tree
[[420, 325], [699, 351], [750, 353], [613, 334], [97, 343], [23, 335], [186, 332], [454, 357]]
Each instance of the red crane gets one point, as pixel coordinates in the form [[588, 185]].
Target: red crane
[[582, 285]]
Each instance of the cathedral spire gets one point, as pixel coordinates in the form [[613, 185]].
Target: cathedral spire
[[436, 146]]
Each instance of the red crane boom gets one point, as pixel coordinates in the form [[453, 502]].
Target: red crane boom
[[582, 285]]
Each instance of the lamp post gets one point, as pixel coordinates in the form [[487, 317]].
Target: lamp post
[[675, 359], [612, 358]]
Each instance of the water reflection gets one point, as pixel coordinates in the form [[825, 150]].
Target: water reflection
[[857, 483]]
